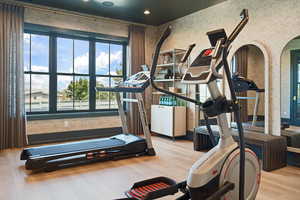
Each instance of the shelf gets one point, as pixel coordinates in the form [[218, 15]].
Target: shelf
[[169, 106], [159, 93], [167, 80], [166, 65]]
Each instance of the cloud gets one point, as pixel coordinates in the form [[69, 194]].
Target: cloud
[[103, 80], [62, 83], [102, 59], [38, 83], [113, 73], [81, 63], [116, 56], [39, 68]]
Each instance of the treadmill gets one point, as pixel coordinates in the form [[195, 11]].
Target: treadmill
[[241, 84], [124, 145]]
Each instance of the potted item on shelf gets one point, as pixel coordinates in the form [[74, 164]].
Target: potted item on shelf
[[175, 90], [178, 75], [169, 74], [167, 58], [162, 74]]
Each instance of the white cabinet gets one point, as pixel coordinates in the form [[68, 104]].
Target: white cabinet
[[168, 120]]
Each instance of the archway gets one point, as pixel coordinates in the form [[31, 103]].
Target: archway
[[252, 61], [290, 83]]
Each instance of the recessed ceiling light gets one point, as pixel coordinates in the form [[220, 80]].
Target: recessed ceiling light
[[107, 3], [85, 0], [147, 12]]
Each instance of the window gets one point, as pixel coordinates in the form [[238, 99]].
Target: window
[[73, 77], [61, 72], [109, 71], [36, 68]]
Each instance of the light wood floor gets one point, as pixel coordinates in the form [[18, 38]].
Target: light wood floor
[[108, 180]]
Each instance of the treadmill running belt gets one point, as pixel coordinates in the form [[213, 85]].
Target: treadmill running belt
[[75, 147]]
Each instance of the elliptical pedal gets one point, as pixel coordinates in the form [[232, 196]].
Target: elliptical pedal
[[152, 189]]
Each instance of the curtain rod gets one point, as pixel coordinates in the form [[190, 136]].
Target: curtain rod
[[70, 13]]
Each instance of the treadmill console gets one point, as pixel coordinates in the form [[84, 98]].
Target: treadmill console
[[241, 84], [134, 84], [139, 79]]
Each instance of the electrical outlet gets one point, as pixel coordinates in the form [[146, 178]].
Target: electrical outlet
[[66, 123]]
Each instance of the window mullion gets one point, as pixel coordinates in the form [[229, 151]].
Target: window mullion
[[124, 70], [73, 76], [109, 80], [92, 72], [124, 63], [53, 75], [30, 73]]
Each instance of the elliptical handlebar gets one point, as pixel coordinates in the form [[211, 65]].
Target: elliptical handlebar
[[187, 54], [245, 18], [230, 39], [157, 50]]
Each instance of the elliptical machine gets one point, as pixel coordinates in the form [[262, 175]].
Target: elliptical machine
[[229, 170]]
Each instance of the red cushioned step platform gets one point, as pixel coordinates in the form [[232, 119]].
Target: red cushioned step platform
[[152, 188]]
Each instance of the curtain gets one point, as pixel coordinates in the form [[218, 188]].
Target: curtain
[[137, 58], [12, 112], [241, 66]]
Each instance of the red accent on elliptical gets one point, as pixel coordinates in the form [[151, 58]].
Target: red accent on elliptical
[[207, 52], [141, 192]]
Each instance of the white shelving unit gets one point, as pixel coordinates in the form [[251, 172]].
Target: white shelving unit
[[168, 120]]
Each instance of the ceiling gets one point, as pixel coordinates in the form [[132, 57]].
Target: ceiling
[[162, 11]]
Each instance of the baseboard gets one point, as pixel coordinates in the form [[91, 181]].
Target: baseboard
[[286, 120], [73, 135], [189, 135]]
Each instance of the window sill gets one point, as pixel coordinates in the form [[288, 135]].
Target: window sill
[[33, 117]]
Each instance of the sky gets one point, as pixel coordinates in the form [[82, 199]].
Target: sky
[[40, 60]]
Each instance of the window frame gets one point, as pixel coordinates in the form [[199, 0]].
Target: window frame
[[93, 38], [30, 72]]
